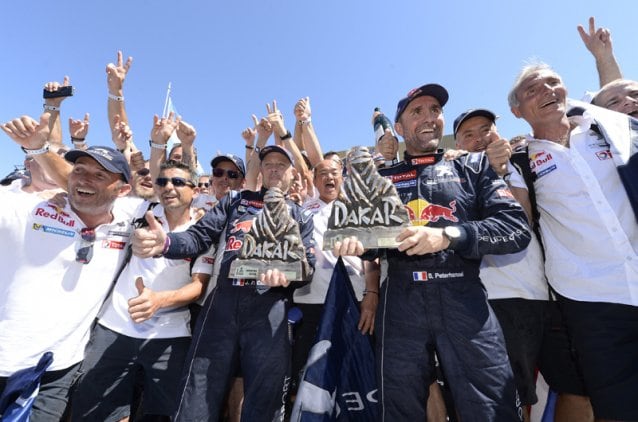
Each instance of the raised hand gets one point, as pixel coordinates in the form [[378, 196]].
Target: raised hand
[[302, 110], [79, 128], [597, 41], [27, 132], [250, 133], [122, 133], [276, 119], [499, 152], [186, 133], [116, 74], [164, 127], [54, 86]]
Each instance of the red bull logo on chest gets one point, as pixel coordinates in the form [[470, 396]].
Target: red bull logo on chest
[[422, 212]]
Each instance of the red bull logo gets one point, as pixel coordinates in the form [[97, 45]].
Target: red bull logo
[[243, 226], [422, 212], [59, 215], [538, 159]]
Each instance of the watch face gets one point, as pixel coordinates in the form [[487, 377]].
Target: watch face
[[452, 232]]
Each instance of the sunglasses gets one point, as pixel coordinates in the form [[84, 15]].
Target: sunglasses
[[143, 172], [85, 253], [178, 182], [203, 185], [232, 174]]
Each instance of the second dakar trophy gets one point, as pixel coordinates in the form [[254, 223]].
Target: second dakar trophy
[[369, 206], [274, 241]]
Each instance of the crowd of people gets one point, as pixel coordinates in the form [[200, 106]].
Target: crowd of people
[[118, 262]]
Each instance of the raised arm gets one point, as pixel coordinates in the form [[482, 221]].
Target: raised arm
[[115, 76], [53, 105], [598, 42], [162, 129], [309, 140]]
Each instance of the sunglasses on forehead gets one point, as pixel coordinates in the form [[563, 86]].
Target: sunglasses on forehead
[[85, 252], [178, 182], [232, 174]]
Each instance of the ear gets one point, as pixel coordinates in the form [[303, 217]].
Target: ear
[[124, 190], [398, 127], [516, 112]]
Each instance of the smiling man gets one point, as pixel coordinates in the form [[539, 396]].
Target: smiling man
[[143, 330], [433, 299], [59, 264], [620, 95], [589, 231]]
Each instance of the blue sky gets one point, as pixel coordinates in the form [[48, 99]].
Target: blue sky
[[226, 60]]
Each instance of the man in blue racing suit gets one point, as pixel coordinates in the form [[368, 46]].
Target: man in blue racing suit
[[433, 299], [243, 322]]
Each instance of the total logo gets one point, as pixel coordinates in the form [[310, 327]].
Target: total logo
[[422, 212]]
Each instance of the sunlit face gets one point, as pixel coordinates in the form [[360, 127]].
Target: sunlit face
[[92, 188], [143, 183], [474, 134], [328, 179], [176, 153], [620, 96], [542, 98], [276, 171], [421, 125], [223, 184], [204, 185], [172, 196]]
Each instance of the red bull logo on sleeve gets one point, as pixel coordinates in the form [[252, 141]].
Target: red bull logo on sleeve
[[422, 212]]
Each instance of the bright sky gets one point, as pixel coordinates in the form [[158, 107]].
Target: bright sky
[[226, 60]]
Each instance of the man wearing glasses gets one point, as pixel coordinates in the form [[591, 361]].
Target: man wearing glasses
[[144, 326], [58, 262], [228, 174]]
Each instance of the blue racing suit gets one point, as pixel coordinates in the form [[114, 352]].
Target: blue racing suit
[[238, 324], [436, 302]]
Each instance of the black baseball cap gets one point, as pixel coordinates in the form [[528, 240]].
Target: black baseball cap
[[473, 112], [432, 90], [111, 159], [238, 162], [275, 148]]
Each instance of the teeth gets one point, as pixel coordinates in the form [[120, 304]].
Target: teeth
[[84, 191]]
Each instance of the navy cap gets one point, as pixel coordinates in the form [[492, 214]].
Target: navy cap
[[432, 90], [112, 160], [473, 112], [238, 162], [275, 148]]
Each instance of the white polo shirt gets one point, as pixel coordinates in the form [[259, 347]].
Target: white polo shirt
[[517, 275], [315, 292], [48, 300], [588, 227], [159, 274]]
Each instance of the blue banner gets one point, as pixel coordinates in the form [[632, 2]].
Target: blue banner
[[339, 382]]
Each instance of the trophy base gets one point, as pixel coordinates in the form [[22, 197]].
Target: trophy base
[[372, 238], [251, 268]]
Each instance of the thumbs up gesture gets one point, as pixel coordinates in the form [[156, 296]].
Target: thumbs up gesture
[[149, 241], [143, 306]]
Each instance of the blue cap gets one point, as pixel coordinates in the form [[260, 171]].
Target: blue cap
[[238, 162], [475, 112], [112, 160], [432, 90]]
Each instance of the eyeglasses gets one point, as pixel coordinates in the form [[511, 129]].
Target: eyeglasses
[[178, 182], [203, 185], [85, 253], [143, 172], [232, 174]]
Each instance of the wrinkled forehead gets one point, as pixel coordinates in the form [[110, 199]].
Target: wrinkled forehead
[[538, 76]]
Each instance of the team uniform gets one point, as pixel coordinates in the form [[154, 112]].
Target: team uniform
[[120, 347], [437, 302], [242, 323], [591, 237], [49, 301]]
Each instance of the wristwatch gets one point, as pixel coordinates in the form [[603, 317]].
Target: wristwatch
[[454, 234]]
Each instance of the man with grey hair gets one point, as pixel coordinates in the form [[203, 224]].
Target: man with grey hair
[[577, 155]]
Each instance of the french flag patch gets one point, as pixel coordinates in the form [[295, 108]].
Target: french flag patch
[[420, 276]]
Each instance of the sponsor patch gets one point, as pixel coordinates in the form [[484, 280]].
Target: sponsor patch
[[243, 226], [233, 244], [504, 193], [407, 184], [423, 160], [113, 244], [55, 213], [118, 233], [208, 260], [546, 171], [402, 176], [53, 230], [604, 155]]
